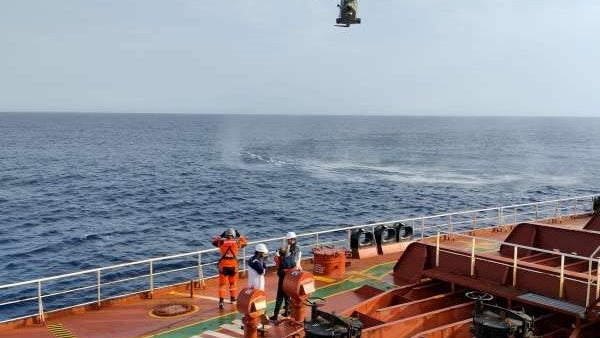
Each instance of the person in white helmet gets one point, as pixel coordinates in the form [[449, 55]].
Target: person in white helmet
[[287, 258], [293, 249], [258, 267]]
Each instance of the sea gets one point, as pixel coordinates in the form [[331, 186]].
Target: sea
[[82, 190]]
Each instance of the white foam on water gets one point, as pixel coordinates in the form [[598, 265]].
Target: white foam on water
[[352, 172], [264, 159], [554, 180]]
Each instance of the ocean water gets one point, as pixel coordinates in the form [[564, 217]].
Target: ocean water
[[80, 191]]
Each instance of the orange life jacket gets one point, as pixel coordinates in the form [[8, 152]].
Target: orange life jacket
[[229, 249]]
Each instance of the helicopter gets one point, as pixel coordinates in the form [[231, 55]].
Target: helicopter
[[348, 10]]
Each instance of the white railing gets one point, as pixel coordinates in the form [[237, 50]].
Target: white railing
[[591, 282], [107, 283]]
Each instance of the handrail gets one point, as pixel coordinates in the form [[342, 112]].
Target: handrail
[[590, 265], [110, 267], [589, 281], [477, 219], [595, 252]]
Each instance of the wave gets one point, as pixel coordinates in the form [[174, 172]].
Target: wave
[[91, 237], [352, 172], [553, 180], [253, 158]]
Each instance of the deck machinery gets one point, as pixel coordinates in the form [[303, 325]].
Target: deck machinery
[[544, 278]]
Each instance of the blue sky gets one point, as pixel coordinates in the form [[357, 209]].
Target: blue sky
[[408, 57]]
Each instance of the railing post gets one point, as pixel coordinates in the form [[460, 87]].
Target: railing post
[[244, 258], [437, 250], [537, 209], [348, 237], [473, 257], [556, 212], [99, 284], [515, 255], [422, 228], [450, 224], [151, 278], [562, 276], [589, 284], [474, 222], [515, 215], [500, 216], [201, 271], [574, 207], [40, 304], [598, 279]]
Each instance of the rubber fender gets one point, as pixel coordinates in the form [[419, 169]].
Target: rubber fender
[[355, 238], [384, 235], [403, 231]]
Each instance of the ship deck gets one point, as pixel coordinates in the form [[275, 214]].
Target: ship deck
[[131, 317]]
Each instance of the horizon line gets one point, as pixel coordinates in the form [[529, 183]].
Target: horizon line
[[296, 114]]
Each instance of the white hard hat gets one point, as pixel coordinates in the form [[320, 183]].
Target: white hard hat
[[290, 235], [261, 248]]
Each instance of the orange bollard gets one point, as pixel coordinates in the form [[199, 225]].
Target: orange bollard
[[298, 285], [252, 303]]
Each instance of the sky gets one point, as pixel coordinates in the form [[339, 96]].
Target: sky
[[408, 57]]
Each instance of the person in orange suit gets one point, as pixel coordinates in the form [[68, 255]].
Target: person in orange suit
[[229, 244]]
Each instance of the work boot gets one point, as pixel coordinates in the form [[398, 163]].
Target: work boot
[[276, 310], [232, 300], [286, 310], [221, 304]]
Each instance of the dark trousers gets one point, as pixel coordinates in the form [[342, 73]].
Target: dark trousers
[[281, 298]]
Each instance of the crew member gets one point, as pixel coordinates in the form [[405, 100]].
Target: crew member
[[294, 250], [229, 244], [285, 263], [288, 258], [258, 267]]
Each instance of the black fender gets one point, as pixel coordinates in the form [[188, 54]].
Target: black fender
[[384, 235], [361, 238], [403, 231]]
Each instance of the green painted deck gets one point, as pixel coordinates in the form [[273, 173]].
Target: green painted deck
[[371, 276]]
